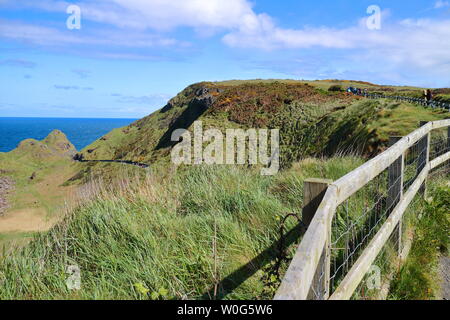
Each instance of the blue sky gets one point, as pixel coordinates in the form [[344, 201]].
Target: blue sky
[[131, 56]]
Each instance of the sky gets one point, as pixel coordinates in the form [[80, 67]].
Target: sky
[[127, 58]]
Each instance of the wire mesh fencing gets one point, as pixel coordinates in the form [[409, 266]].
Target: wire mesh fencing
[[376, 283], [358, 219], [361, 216], [359, 251], [319, 288], [440, 145]]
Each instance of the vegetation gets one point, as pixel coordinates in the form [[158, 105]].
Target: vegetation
[[335, 88], [417, 279], [188, 232], [313, 120], [168, 235], [37, 169]]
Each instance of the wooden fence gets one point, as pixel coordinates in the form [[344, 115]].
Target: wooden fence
[[346, 234]]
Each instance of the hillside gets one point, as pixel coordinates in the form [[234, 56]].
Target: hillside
[[203, 232], [209, 232], [31, 191], [312, 120], [152, 237]]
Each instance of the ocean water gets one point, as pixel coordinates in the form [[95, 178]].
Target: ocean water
[[81, 132]]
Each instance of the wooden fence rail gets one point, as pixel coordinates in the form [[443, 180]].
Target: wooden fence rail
[[309, 270]]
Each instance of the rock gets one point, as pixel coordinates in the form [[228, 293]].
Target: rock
[[78, 157], [54, 145], [59, 143]]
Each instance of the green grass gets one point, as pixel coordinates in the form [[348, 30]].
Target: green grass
[[442, 98], [157, 234], [418, 278], [400, 119], [153, 236], [312, 121], [50, 164], [14, 239]]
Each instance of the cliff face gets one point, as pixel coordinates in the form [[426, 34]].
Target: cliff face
[[313, 120], [218, 105]]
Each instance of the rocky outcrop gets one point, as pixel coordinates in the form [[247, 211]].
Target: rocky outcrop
[[197, 94], [58, 141], [55, 144]]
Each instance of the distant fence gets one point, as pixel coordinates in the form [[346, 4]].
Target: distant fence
[[360, 220], [423, 102]]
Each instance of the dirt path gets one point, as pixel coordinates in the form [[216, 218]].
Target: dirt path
[[137, 164], [25, 220], [444, 270], [37, 204]]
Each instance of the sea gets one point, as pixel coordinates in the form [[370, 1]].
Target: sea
[[80, 131]]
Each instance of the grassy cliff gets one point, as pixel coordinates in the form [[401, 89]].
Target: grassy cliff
[[200, 232], [35, 172], [313, 121], [204, 233]]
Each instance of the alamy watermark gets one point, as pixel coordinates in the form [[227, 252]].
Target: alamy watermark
[[373, 22], [234, 143], [74, 20], [73, 282], [373, 280]]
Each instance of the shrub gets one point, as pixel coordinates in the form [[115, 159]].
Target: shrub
[[335, 88]]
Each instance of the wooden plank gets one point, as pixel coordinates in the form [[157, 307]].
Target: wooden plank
[[448, 137], [300, 274], [439, 160], [368, 256], [301, 271], [440, 124], [424, 155], [313, 192], [395, 191], [358, 178]]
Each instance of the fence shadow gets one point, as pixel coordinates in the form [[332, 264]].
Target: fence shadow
[[239, 276]]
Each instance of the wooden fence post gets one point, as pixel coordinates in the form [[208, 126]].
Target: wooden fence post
[[448, 136], [395, 192], [424, 157], [313, 192]]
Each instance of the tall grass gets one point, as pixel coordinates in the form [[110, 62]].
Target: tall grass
[[166, 235], [418, 279]]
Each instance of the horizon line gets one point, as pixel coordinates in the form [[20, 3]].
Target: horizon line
[[1, 117]]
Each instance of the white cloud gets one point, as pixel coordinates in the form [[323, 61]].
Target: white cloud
[[419, 44], [66, 87], [18, 63], [409, 43], [82, 73], [49, 36], [163, 14], [148, 99], [441, 4], [154, 14]]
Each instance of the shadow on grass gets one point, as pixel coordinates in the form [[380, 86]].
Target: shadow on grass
[[239, 276]]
